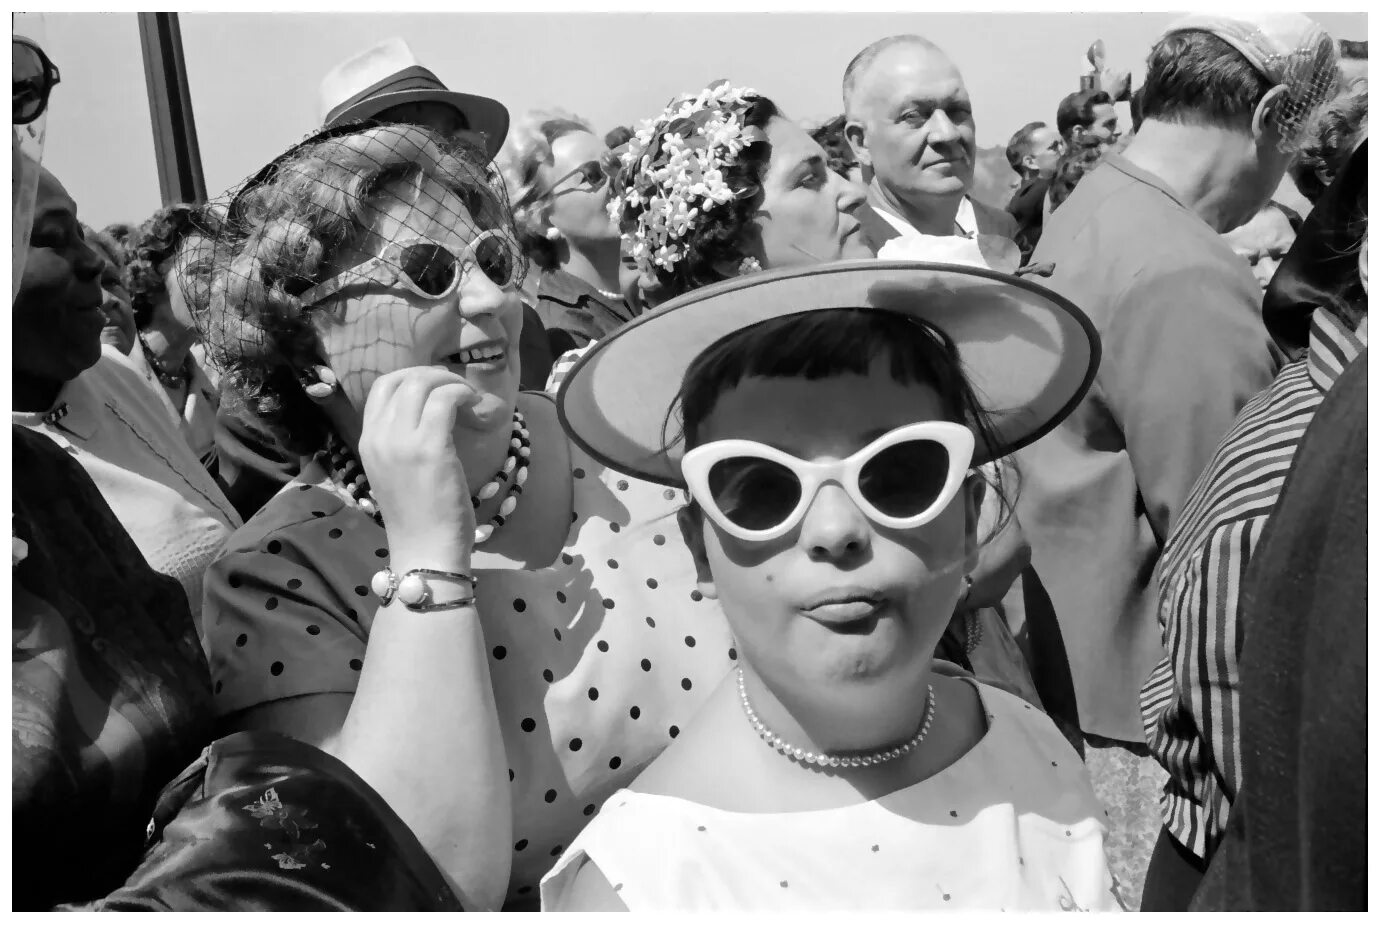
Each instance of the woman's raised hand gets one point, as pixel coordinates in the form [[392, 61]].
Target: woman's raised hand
[[407, 446]]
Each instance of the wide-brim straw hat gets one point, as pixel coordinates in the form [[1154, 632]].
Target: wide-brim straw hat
[[389, 75], [1029, 354]]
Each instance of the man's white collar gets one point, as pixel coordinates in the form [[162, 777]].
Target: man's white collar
[[964, 220]]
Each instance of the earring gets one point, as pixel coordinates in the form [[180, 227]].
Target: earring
[[319, 383], [552, 234]]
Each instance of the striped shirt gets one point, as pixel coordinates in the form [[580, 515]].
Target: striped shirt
[[1190, 703], [563, 366]]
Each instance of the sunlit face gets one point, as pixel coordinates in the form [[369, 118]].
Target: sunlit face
[[1263, 242], [375, 330], [838, 603], [578, 207], [917, 124], [807, 210], [57, 313], [1046, 148]]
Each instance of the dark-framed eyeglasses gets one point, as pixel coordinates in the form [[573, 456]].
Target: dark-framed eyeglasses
[[35, 76], [593, 174]]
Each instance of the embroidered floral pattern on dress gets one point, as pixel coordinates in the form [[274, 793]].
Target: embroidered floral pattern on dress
[[272, 814]]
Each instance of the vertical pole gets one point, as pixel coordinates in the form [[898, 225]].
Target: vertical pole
[[170, 106]]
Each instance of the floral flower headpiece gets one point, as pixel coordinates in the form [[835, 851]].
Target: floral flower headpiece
[[673, 171]]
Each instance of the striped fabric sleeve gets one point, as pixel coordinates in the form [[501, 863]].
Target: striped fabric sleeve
[[1195, 736], [563, 366]]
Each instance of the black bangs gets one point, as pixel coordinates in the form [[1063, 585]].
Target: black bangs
[[819, 345]]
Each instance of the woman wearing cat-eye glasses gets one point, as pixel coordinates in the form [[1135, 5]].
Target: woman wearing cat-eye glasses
[[558, 173], [824, 422]]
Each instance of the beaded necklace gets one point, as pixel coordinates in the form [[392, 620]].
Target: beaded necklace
[[348, 474], [172, 380]]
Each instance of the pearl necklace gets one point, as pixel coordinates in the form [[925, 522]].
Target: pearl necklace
[[347, 473], [611, 296], [836, 761]]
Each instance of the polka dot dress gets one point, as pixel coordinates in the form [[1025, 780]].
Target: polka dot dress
[[598, 661], [1013, 825]]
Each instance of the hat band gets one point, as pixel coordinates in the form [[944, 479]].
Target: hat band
[[412, 78]]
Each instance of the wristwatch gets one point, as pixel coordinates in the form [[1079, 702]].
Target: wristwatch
[[414, 591]]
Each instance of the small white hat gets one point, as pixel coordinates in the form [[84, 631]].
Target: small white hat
[[389, 75]]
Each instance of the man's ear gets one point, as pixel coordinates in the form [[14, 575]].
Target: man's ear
[[856, 133], [1028, 163], [692, 525], [975, 489], [1262, 121]]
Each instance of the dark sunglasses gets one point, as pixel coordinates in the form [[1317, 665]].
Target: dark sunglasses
[[428, 269], [593, 174], [35, 76]]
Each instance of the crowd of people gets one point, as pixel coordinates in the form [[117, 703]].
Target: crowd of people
[[716, 513]]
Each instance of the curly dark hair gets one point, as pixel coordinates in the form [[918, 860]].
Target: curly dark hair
[[1329, 140], [149, 250], [723, 236], [617, 137], [280, 238], [838, 154], [1083, 154]]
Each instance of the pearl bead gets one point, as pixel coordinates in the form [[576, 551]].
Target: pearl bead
[[489, 491], [413, 590], [508, 505], [381, 582]]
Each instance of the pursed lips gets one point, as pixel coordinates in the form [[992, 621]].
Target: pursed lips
[[842, 605]]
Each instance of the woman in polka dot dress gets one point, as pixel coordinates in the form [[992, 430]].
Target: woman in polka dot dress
[[827, 423], [495, 731]]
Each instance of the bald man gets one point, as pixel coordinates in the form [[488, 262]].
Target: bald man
[[910, 121]]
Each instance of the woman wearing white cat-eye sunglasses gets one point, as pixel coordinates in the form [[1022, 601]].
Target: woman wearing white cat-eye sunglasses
[[825, 422], [902, 480]]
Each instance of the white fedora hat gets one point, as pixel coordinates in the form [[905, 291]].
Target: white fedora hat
[[389, 75], [1029, 353]]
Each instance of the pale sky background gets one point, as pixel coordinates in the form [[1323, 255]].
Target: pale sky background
[[254, 76]]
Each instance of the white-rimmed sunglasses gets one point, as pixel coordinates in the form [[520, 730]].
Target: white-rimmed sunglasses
[[428, 269], [902, 480]]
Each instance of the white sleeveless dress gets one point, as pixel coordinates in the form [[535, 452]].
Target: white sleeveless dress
[[1013, 825]]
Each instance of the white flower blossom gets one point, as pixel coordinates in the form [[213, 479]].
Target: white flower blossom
[[687, 182]]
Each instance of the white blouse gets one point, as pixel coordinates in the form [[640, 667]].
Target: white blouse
[[1012, 825], [123, 436]]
